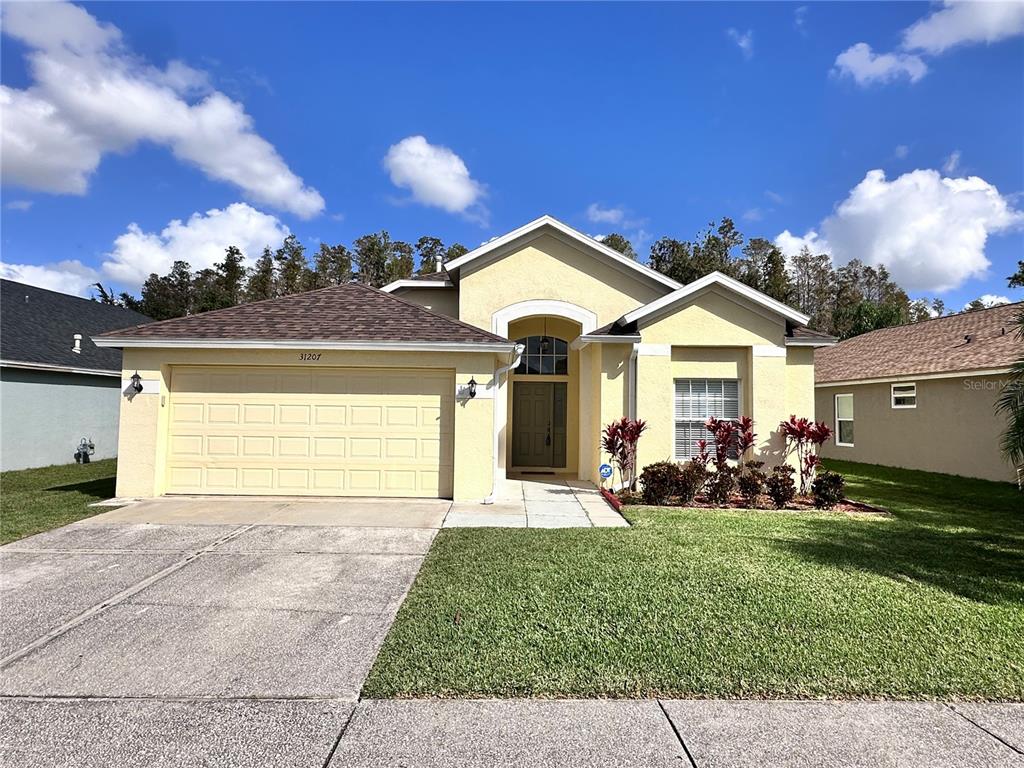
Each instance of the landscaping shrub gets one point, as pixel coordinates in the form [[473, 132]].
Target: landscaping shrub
[[805, 437], [780, 485], [659, 481], [751, 482], [619, 440], [829, 489], [721, 485], [692, 477]]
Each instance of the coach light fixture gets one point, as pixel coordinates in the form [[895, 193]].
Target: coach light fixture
[[136, 382], [471, 386]]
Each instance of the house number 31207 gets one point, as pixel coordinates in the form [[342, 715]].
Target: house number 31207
[[309, 355]]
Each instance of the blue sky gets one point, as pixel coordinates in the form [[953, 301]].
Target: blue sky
[[890, 132]]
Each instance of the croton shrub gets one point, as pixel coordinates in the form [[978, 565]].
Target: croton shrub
[[720, 471]]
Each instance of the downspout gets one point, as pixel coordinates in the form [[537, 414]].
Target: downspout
[[516, 355], [631, 407]]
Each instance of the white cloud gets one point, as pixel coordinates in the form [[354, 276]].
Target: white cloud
[[92, 96], [952, 162], [867, 67], [753, 214], [800, 19], [71, 276], [744, 40], [200, 241], [791, 244], [929, 231], [435, 176], [600, 215], [19, 205], [957, 22], [961, 23], [990, 300], [775, 197], [901, 151]]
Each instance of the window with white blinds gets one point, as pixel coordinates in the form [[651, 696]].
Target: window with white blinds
[[696, 401]]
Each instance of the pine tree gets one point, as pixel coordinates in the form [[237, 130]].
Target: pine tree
[[292, 269], [260, 284]]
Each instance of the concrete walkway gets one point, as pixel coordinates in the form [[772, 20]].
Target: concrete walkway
[[539, 501], [674, 734]]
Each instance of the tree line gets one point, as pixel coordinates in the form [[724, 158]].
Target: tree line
[[373, 259], [845, 301]]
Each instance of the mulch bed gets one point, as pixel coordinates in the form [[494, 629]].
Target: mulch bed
[[799, 504]]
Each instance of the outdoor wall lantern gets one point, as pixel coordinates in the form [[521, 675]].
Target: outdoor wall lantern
[[136, 382], [471, 387]]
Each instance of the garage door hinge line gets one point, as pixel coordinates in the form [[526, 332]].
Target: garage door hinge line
[[119, 598]]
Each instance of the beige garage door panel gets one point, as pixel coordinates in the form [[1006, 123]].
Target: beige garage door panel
[[349, 432]]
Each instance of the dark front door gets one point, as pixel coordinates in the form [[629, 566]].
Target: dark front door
[[538, 424]]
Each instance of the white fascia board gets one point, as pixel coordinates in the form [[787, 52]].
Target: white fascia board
[[416, 284], [57, 368], [568, 231], [811, 342], [912, 377], [375, 346], [602, 338], [716, 278]]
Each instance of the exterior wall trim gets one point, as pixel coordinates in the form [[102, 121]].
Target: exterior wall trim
[[910, 378], [568, 231], [57, 368], [791, 342], [390, 287], [768, 350], [500, 320], [376, 346]]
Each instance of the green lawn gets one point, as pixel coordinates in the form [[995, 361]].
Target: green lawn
[[926, 603], [36, 500]]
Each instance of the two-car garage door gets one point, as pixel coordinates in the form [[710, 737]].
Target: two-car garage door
[[311, 431]]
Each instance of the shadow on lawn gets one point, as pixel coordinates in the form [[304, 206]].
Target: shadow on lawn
[[984, 568], [102, 488], [961, 535]]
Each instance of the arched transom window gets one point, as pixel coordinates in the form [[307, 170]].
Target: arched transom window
[[544, 355]]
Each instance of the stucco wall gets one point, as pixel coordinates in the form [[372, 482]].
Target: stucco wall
[[144, 419], [44, 415], [954, 428], [549, 268], [717, 337], [444, 301]]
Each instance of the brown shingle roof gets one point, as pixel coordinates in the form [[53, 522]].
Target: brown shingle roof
[[807, 334], [931, 346], [351, 312]]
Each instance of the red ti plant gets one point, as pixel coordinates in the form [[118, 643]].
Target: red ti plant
[[805, 437], [702, 457], [729, 436], [619, 440]]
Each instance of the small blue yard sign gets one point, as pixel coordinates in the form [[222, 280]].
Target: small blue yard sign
[[606, 471]]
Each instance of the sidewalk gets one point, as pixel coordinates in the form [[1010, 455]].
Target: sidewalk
[[706, 734]]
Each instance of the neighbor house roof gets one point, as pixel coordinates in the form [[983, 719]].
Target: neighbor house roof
[[551, 224], [430, 280], [351, 316], [970, 341], [38, 328]]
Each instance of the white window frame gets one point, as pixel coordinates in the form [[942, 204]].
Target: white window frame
[[709, 438], [892, 394], [835, 405]]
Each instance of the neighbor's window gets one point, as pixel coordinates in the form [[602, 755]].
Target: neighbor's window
[[844, 420], [696, 400], [544, 355], [904, 395]]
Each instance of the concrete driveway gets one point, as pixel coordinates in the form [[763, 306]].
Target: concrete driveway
[[218, 632]]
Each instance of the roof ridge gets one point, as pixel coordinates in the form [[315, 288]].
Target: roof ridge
[[952, 315], [430, 311], [209, 312]]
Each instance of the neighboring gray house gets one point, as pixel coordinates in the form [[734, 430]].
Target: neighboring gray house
[[56, 386]]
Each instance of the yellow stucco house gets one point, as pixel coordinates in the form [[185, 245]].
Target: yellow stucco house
[[511, 358]]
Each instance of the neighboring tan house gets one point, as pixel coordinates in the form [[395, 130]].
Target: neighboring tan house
[[56, 386], [355, 391], [922, 396]]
